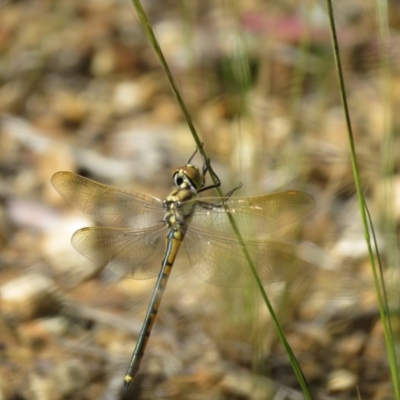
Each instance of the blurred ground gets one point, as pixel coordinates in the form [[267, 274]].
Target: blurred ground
[[81, 90]]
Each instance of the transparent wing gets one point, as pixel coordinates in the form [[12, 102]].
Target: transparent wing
[[254, 216], [222, 261], [137, 254], [106, 204]]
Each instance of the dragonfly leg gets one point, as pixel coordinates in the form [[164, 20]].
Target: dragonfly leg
[[229, 194], [195, 152], [206, 168]]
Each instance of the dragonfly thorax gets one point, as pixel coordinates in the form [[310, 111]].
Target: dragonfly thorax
[[178, 208]]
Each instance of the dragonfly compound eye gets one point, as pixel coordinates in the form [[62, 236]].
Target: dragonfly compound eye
[[188, 176]]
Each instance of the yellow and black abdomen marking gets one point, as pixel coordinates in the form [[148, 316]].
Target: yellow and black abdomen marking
[[173, 242]]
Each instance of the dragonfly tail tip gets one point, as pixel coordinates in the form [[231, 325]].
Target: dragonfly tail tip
[[127, 381]]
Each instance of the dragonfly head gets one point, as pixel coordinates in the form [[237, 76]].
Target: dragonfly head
[[189, 177]]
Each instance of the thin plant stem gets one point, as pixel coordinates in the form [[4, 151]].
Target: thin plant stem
[[383, 308], [154, 43]]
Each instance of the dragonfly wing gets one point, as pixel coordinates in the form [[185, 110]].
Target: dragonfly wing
[[222, 261], [128, 253], [106, 204], [253, 216]]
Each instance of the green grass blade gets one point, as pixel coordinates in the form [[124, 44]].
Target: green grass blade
[[154, 43], [376, 271]]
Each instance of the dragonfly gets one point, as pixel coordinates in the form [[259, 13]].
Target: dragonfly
[[144, 230]]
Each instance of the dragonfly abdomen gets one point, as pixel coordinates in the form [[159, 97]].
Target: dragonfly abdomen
[[173, 242]]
